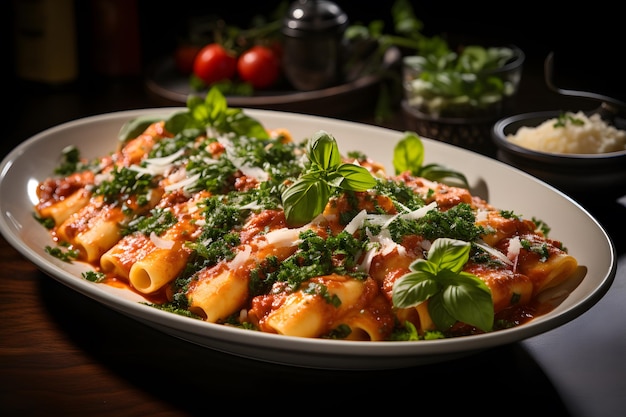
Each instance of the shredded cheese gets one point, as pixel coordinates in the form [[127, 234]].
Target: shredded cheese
[[161, 243], [578, 134]]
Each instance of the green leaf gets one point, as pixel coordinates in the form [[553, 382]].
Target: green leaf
[[472, 59], [355, 178], [323, 151], [454, 295], [304, 200], [216, 102], [308, 196], [469, 303], [181, 121], [136, 127], [414, 288], [449, 254], [213, 112], [200, 111], [239, 122], [422, 265], [439, 173], [408, 154], [439, 313]]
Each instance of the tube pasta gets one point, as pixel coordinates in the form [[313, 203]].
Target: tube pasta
[[540, 260], [59, 198], [503, 227], [149, 263], [375, 322], [100, 236], [311, 311], [92, 230], [508, 288], [218, 293], [120, 258], [63, 209], [158, 268], [136, 149], [549, 273]]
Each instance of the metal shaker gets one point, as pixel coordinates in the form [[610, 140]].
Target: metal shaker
[[312, 32]]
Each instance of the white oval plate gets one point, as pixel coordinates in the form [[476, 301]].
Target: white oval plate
[[505, 187]]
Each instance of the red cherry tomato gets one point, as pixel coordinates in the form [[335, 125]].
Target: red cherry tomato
[[184, 56], [213, 63], [259, 66]]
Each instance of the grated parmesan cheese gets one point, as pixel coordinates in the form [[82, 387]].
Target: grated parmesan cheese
[[241, 257], [284, 237], [161, 243], [591, 136]]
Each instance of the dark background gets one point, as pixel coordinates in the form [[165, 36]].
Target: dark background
[[587, 42], [587, 39]]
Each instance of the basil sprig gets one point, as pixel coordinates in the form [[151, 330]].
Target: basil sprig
[[213, 113], [454, 295], [308, 195]]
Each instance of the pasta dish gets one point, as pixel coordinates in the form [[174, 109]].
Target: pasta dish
[[211, 215]]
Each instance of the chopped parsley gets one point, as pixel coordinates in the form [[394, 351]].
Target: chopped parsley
[[458, 222], [93, 276], [157, 221], [316, 256], [124, 185], [63, 252]]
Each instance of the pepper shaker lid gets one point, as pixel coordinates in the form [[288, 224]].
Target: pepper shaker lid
[[310, 17]]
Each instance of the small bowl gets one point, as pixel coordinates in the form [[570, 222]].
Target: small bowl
[[458, 114], [582, 176]]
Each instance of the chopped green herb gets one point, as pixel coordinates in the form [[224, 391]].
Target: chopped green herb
[[62, 252], [93, 276]]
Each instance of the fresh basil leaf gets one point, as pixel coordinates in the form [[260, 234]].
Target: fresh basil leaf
[[325, 172], [200, 111], [323, 151], [414, 288], [408, 154], [422, 265], [239, 122], [453, 295], [213, 112], [136, 126], [304, 200], [449, 254], [439, 173], [216, 103], [355, 178], [439, 313], [469, 303], [180, 122]]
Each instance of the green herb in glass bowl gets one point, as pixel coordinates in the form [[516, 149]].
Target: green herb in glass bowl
[[474, 82]]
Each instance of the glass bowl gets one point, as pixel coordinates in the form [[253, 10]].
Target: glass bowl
[[446, 87], [460, 108]]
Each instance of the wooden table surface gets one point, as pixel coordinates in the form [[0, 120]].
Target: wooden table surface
[[64, 354]]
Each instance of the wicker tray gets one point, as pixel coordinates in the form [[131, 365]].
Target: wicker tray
[[473, 134]]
